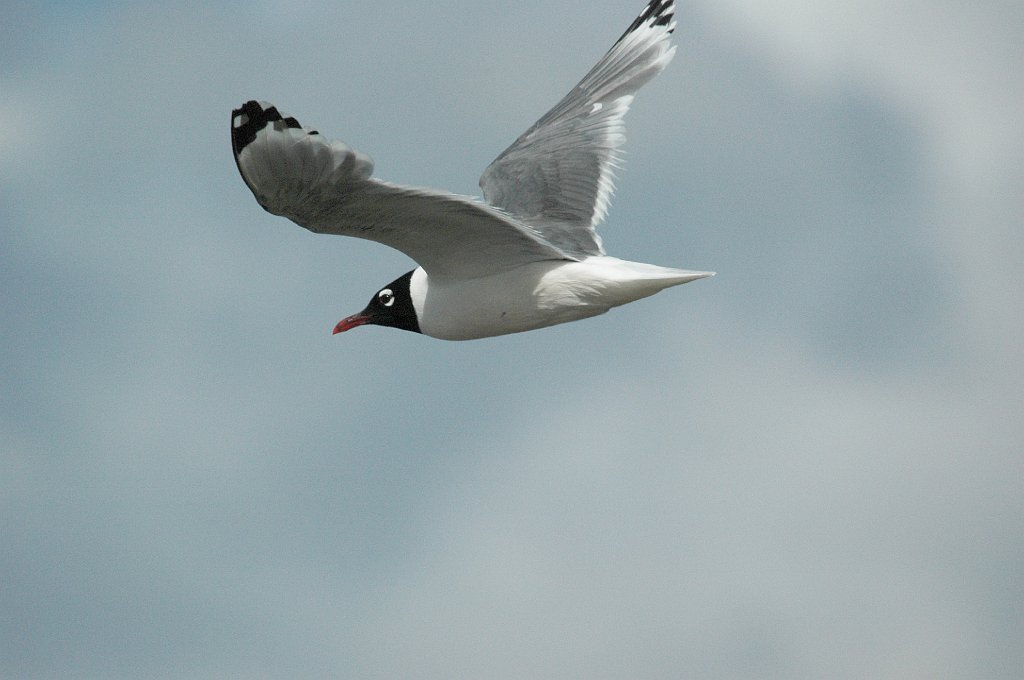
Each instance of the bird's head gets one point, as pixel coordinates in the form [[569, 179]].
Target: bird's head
[[390, 306]]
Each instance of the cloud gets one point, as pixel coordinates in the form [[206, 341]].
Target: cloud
[[804, 467]]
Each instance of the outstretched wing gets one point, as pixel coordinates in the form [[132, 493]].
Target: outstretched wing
[[326, 187], [559, 175]]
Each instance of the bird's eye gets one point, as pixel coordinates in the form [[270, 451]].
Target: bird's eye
[[386, 297]]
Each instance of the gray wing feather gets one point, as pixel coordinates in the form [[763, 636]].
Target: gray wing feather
[[326, 187], [559, 175]]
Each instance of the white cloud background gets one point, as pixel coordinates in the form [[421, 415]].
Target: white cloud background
[[809, 466]]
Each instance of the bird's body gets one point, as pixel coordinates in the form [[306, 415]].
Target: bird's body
[[535, 295], [525, 257]]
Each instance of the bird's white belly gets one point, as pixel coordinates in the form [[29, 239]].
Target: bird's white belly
[[533, 296]]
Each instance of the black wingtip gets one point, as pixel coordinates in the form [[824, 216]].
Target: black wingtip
[[252, 117], [657, 12], [246, 121]]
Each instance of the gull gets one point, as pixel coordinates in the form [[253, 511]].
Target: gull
[[527, 255]]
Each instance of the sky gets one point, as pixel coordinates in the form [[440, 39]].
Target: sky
[[809, 466]]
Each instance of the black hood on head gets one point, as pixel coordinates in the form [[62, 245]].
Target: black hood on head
[[392, 306]]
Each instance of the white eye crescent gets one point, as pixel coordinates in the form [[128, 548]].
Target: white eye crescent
[[386, 297]]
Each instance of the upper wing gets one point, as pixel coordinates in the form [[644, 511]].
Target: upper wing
[[325, 186], [558, 176]]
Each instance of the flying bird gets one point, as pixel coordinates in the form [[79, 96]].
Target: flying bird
[[527, 255]]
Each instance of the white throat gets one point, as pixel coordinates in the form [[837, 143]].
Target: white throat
[[418, 291]]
